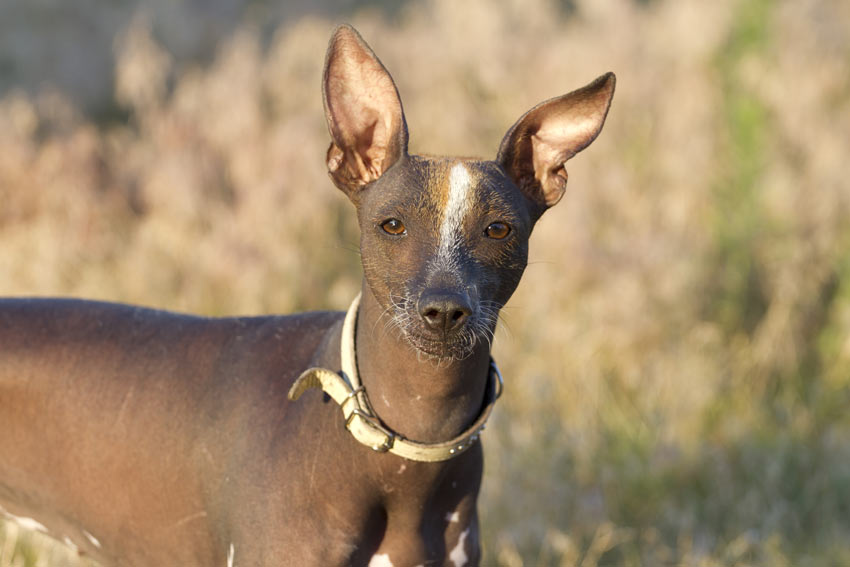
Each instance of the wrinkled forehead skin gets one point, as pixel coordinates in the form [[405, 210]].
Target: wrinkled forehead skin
[[442, 196]]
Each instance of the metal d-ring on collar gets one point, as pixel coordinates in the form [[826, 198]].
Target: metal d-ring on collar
[[362, 421]]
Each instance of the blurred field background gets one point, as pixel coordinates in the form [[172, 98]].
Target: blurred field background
[[678, 354]]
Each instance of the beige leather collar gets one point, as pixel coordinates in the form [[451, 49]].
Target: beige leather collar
[[362, 421]]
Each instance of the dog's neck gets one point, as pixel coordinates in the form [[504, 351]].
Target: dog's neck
[[424, 399], [448, 236]]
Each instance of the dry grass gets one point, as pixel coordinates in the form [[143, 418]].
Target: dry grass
[[678, 355]]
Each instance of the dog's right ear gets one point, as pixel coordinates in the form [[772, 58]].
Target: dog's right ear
[[364, 113]]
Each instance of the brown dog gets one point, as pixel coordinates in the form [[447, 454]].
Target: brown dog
[[150, 438]]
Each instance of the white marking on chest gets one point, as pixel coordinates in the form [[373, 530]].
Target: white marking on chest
[[457, 206], [382, 560], [458, 554], [94, 541], [231, 555], [27, 523]]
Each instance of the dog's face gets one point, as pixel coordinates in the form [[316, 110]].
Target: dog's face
[[449, 237], [444, 242]]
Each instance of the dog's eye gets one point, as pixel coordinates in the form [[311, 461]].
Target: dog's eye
[[497, 230], [393, 226]]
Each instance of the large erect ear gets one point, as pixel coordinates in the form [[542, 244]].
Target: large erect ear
[[363, 110], [535, 150]]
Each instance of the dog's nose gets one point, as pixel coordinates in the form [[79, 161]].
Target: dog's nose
[[444, 312]]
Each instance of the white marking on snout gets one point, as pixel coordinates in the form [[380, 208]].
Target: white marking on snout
[[458, 554], [457, 206], [231, 555], [382, 560], [94, 541]]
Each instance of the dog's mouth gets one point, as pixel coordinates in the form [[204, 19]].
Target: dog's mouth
[[456, 344], [456, 348]]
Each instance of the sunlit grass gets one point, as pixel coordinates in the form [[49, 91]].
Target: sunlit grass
[[678, 361]]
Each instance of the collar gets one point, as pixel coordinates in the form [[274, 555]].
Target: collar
[[362, 421]]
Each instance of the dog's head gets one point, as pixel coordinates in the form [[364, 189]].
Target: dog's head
[[444, 241]]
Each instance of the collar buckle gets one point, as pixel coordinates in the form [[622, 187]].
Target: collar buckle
[[380, 438]]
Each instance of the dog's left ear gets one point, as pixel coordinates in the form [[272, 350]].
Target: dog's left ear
[[535, 150], [363, 111]]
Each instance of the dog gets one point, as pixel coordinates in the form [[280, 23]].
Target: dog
[[142, 437]]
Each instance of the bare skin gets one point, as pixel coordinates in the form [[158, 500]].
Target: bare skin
[[144, 437]]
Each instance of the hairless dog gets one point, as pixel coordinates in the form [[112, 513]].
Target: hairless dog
[[143, 437]]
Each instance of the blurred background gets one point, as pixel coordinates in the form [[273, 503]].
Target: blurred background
[[678, 354]]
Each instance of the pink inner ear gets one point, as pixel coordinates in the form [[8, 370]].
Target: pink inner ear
[[553, 144], [548, 160], [559, 138], [565, 136], [535, 149], [363, 110]]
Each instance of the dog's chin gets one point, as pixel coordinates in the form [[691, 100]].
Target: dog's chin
[[453, 347]]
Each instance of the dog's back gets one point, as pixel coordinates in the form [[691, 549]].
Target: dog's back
[[84, 379]]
